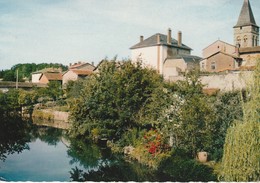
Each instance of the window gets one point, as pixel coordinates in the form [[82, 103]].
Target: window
[[202, 65], [213, 65], [245, 41], [253, 41]]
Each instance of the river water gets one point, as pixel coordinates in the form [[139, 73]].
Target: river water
[[30, 152]]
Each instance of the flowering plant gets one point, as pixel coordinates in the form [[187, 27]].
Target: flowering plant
[[153, 142]]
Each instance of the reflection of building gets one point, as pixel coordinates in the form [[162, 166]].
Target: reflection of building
[[164, 54]]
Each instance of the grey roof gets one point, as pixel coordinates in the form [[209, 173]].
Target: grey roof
[[246, 16], [152, 41], [186, 58]]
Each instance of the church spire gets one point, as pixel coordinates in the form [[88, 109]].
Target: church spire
[[246, 16]]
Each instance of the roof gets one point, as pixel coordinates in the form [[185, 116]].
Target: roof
[[82, 72], [79, 65], [152, 41], [249, 50], [186, 58], [52, 76], [217, 42], [234, 56], [246, 16], [51, 69]]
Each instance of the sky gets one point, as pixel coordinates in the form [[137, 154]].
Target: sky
[[68, 31]]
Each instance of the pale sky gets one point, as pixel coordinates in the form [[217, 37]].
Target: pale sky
[[68, 31]]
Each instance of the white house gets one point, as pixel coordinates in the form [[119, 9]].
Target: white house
[[157, 49]]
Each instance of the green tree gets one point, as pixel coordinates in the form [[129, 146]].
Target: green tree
[[111, 100], [241, 159], [188, 120]]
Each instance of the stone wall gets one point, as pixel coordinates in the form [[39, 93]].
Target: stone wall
[[224, 82]]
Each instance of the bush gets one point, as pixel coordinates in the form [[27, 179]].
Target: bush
[[184, 170]]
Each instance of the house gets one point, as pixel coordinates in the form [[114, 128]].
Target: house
[[37, 77], [175, 65], [75, 74], [157, 49], [220, 61], [50, 76], [77, 71], [220, 56]]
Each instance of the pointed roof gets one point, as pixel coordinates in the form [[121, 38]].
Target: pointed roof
[[246, 16]]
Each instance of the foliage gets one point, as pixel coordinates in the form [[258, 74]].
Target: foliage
[[241, 159], [178, 169], [227, 108], [14, 136], [112, 99], [188, 120], [118, 170], [25, 70]]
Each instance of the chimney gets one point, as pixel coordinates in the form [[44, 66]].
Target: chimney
[[92, 63], [158, 38], [169, 36], [141, 38], [179, 38], [70, 64]]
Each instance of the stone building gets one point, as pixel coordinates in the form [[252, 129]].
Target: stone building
[[246, 35], [220, 56]]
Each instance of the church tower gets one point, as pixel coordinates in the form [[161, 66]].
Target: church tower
[[246, 32]]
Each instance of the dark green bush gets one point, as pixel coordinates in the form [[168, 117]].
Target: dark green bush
[[184, 170]]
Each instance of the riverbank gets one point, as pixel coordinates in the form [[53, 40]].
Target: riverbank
[[50, 117]]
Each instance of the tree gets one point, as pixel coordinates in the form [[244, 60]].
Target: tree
[[111, 100], [188, 120], [241, 159]]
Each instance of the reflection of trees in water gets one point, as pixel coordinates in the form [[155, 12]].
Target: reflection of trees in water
[[47, 134], [14, 136], [87, 155], [117, 170]]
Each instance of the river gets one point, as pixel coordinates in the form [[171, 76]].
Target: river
[[30, 152]]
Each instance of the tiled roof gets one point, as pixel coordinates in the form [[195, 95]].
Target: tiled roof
[[246, 16], [82, 72], [187, 58], [79, 65], [234, 56], [152, 41], [47, 70], [53, 76], [249, 50]]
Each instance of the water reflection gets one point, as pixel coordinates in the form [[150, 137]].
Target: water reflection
[[14, 136], [39, 153]]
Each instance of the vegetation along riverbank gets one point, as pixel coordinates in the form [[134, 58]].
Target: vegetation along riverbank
[[163, 125]]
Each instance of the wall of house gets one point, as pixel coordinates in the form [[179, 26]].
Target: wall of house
[[44, 79], [222, 62], [152, 57], [70, 75], [250, 59], [36, 77], [218, 46]]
